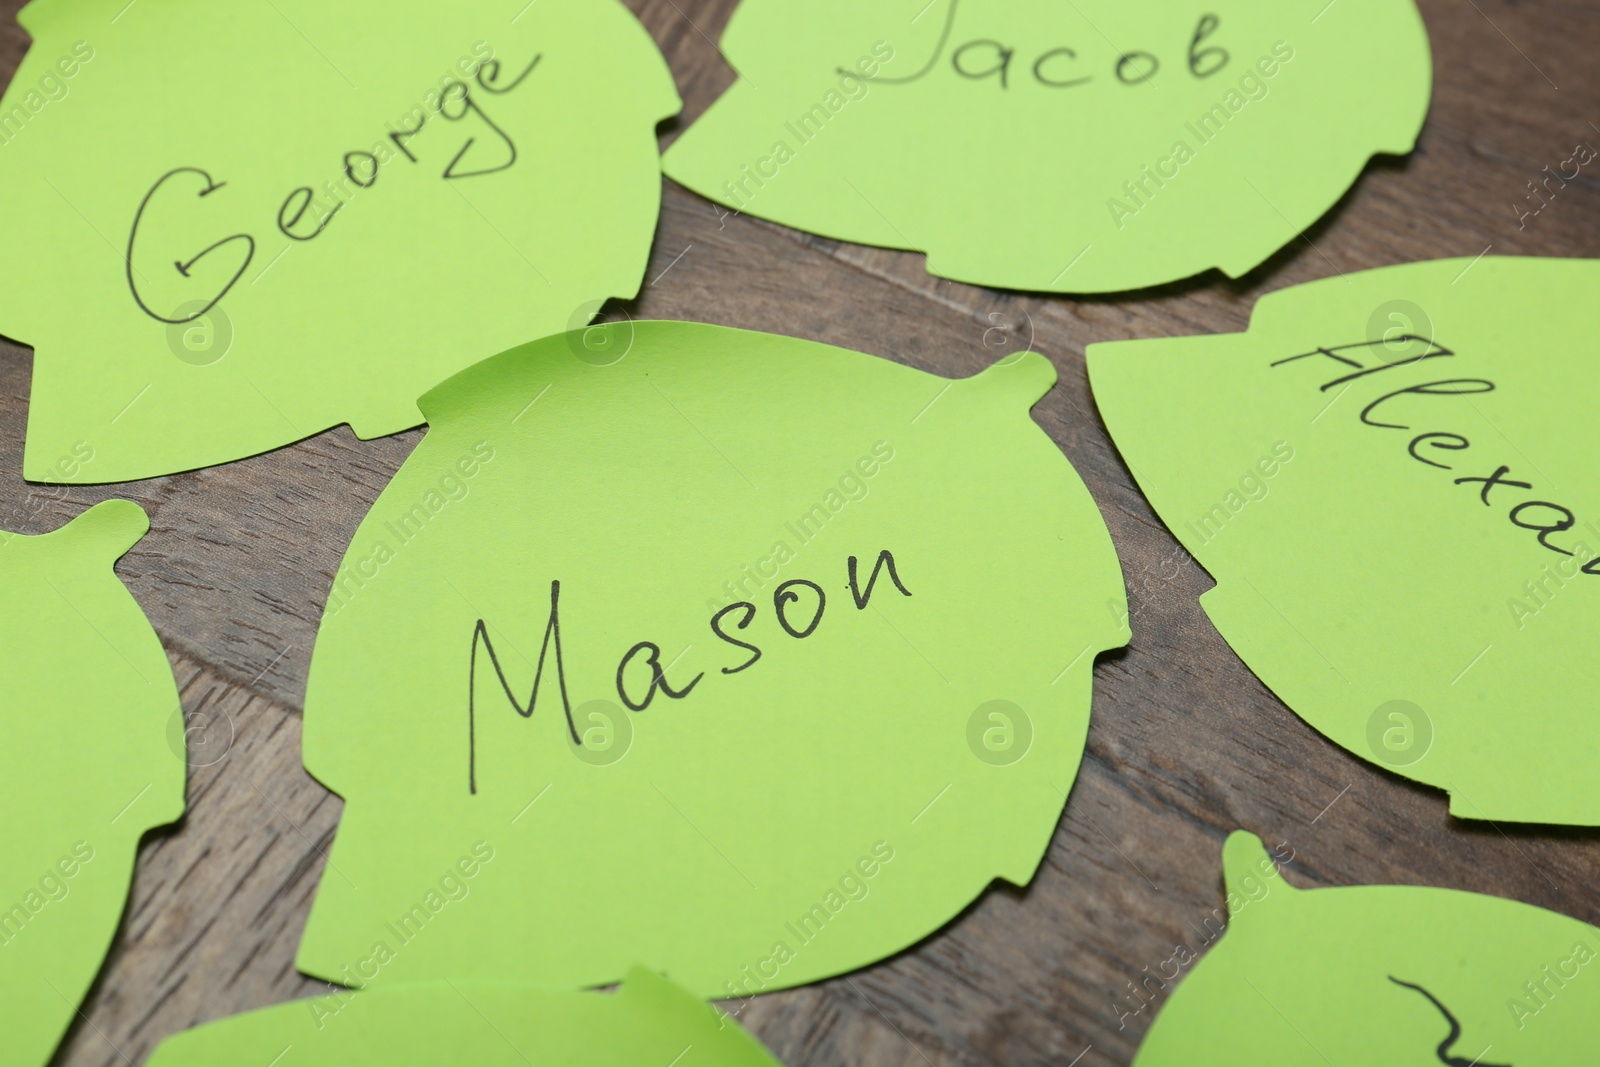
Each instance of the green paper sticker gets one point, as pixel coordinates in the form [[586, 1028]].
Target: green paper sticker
[[745, 657], [1085, 147], [1385, 476], [1387, 976], [648, 1022], [232, 226], [90, 701]]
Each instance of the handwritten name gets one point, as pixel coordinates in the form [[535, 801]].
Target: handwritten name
[[1058, 67], [301, 217], [1544, 518], [798, 604]]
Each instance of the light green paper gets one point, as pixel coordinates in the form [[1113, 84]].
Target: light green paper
[[1080, 188], [412, 279], [93, 756], [648, 1022], [834, 802], [1308, 978], [1388, 606]]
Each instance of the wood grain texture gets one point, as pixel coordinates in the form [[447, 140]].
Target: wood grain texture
[[1185, 744]]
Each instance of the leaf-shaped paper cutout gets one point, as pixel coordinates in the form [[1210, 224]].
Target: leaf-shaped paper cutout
[[1383, 976], [756, 823], [648, 1022], [1335, 470], [190, 303], [93, 757], [1112, 146]]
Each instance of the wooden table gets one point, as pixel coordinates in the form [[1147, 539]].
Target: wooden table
[[1185, 745]]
